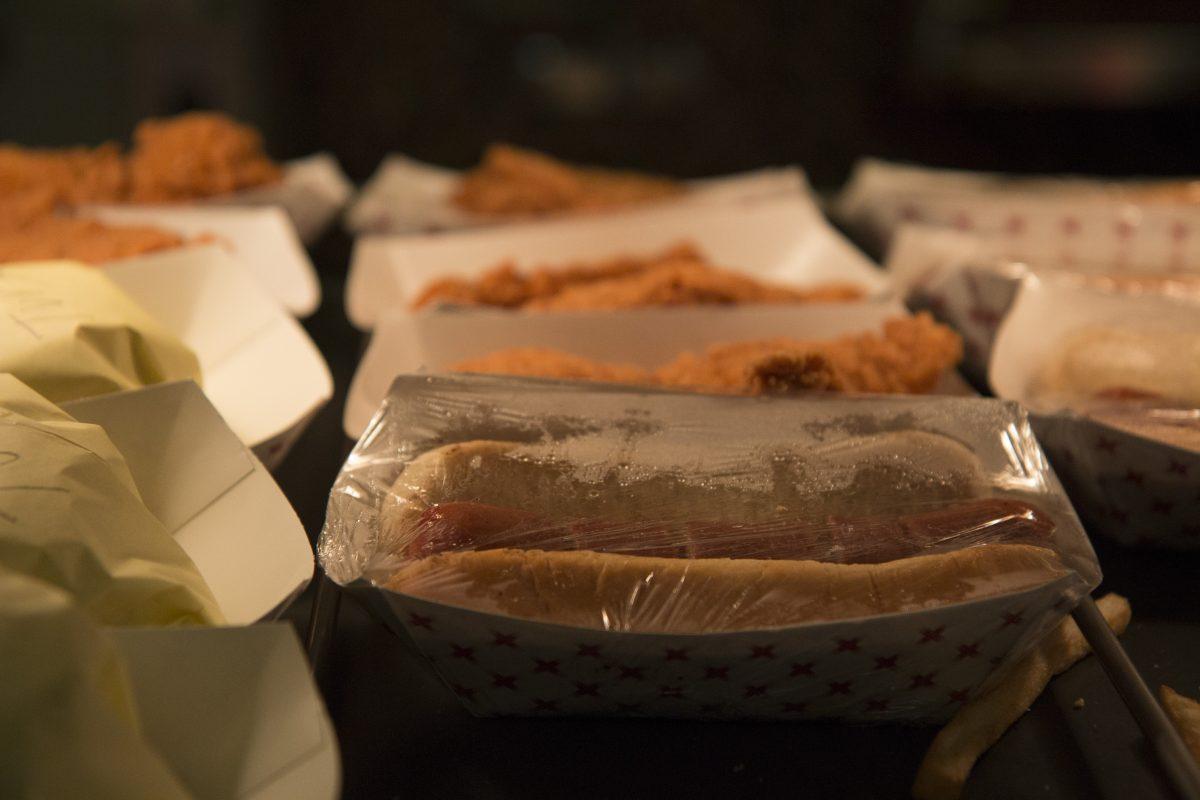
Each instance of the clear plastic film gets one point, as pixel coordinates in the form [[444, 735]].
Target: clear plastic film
[[651, 522]]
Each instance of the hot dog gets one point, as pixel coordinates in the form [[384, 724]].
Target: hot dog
[[459, 525], [498, 528]]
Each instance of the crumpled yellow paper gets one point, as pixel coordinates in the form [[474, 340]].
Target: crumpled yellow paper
[[67, 331], [69, 722], [71, 515]]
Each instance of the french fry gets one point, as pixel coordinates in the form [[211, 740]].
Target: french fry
[[1185, 714], [981, 723]]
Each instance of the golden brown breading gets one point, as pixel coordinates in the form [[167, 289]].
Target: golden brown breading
[[679, 275], [199, 154], [909, 358], [72, 176], [514, 182], [542, 362], [87, 240]]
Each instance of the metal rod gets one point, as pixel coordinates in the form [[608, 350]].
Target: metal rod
[[1164, 739]]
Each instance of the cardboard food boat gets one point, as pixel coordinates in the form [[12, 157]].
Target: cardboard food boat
[[782, 239], [406, 343], [408, 196], [1131, 487], [260, 369], [902, 666]]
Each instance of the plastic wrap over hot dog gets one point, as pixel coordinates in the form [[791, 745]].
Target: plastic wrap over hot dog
[[563, 548], [658, 512]]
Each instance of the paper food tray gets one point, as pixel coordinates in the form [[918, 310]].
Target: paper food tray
[[314, 189], [969, 280], [408, 196], [211, 493], [233, 711], [260, 369], [1132, 488], [1082, 217], [262, 239], [783, 239], [918, 665], [407, 343]]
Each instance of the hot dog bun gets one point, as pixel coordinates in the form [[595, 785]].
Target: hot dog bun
[[887, 467], [672, 595]]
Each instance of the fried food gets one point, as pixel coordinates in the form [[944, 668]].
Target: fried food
[[1185, 715], [982, 721], [909, 357], [199, 154], [77, 239], [514, 182], [70, 176], [542, 362], [679, 275]]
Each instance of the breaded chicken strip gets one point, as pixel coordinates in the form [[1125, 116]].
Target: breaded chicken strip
[[679, 275], [910, 357], [514, 182]]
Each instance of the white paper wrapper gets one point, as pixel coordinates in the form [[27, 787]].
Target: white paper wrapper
[[407, 343], [153, 713], [896, 666], [260, 369], [314, 189], [263, 240], [1135, 489], [214, 497], [1082, 219], [408, 196], [783, 239], [234, 711]]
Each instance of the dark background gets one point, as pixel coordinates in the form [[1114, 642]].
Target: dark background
[[687, 87], [691, 88]]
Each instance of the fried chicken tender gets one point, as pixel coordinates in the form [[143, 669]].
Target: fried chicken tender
[[514, 182], [680, 275], [198, 154], [909, 358], [543, 362], [77, 239], [71, 176]]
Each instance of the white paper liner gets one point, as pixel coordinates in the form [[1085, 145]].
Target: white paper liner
[[214, 497], [407, 343], [263, 240], [1132, 488], [917, 665], [259, 367], [781, 239], [408, 196]]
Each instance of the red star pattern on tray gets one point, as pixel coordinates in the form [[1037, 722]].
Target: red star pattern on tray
[[932, 635], [504, 640], [894, 668]]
